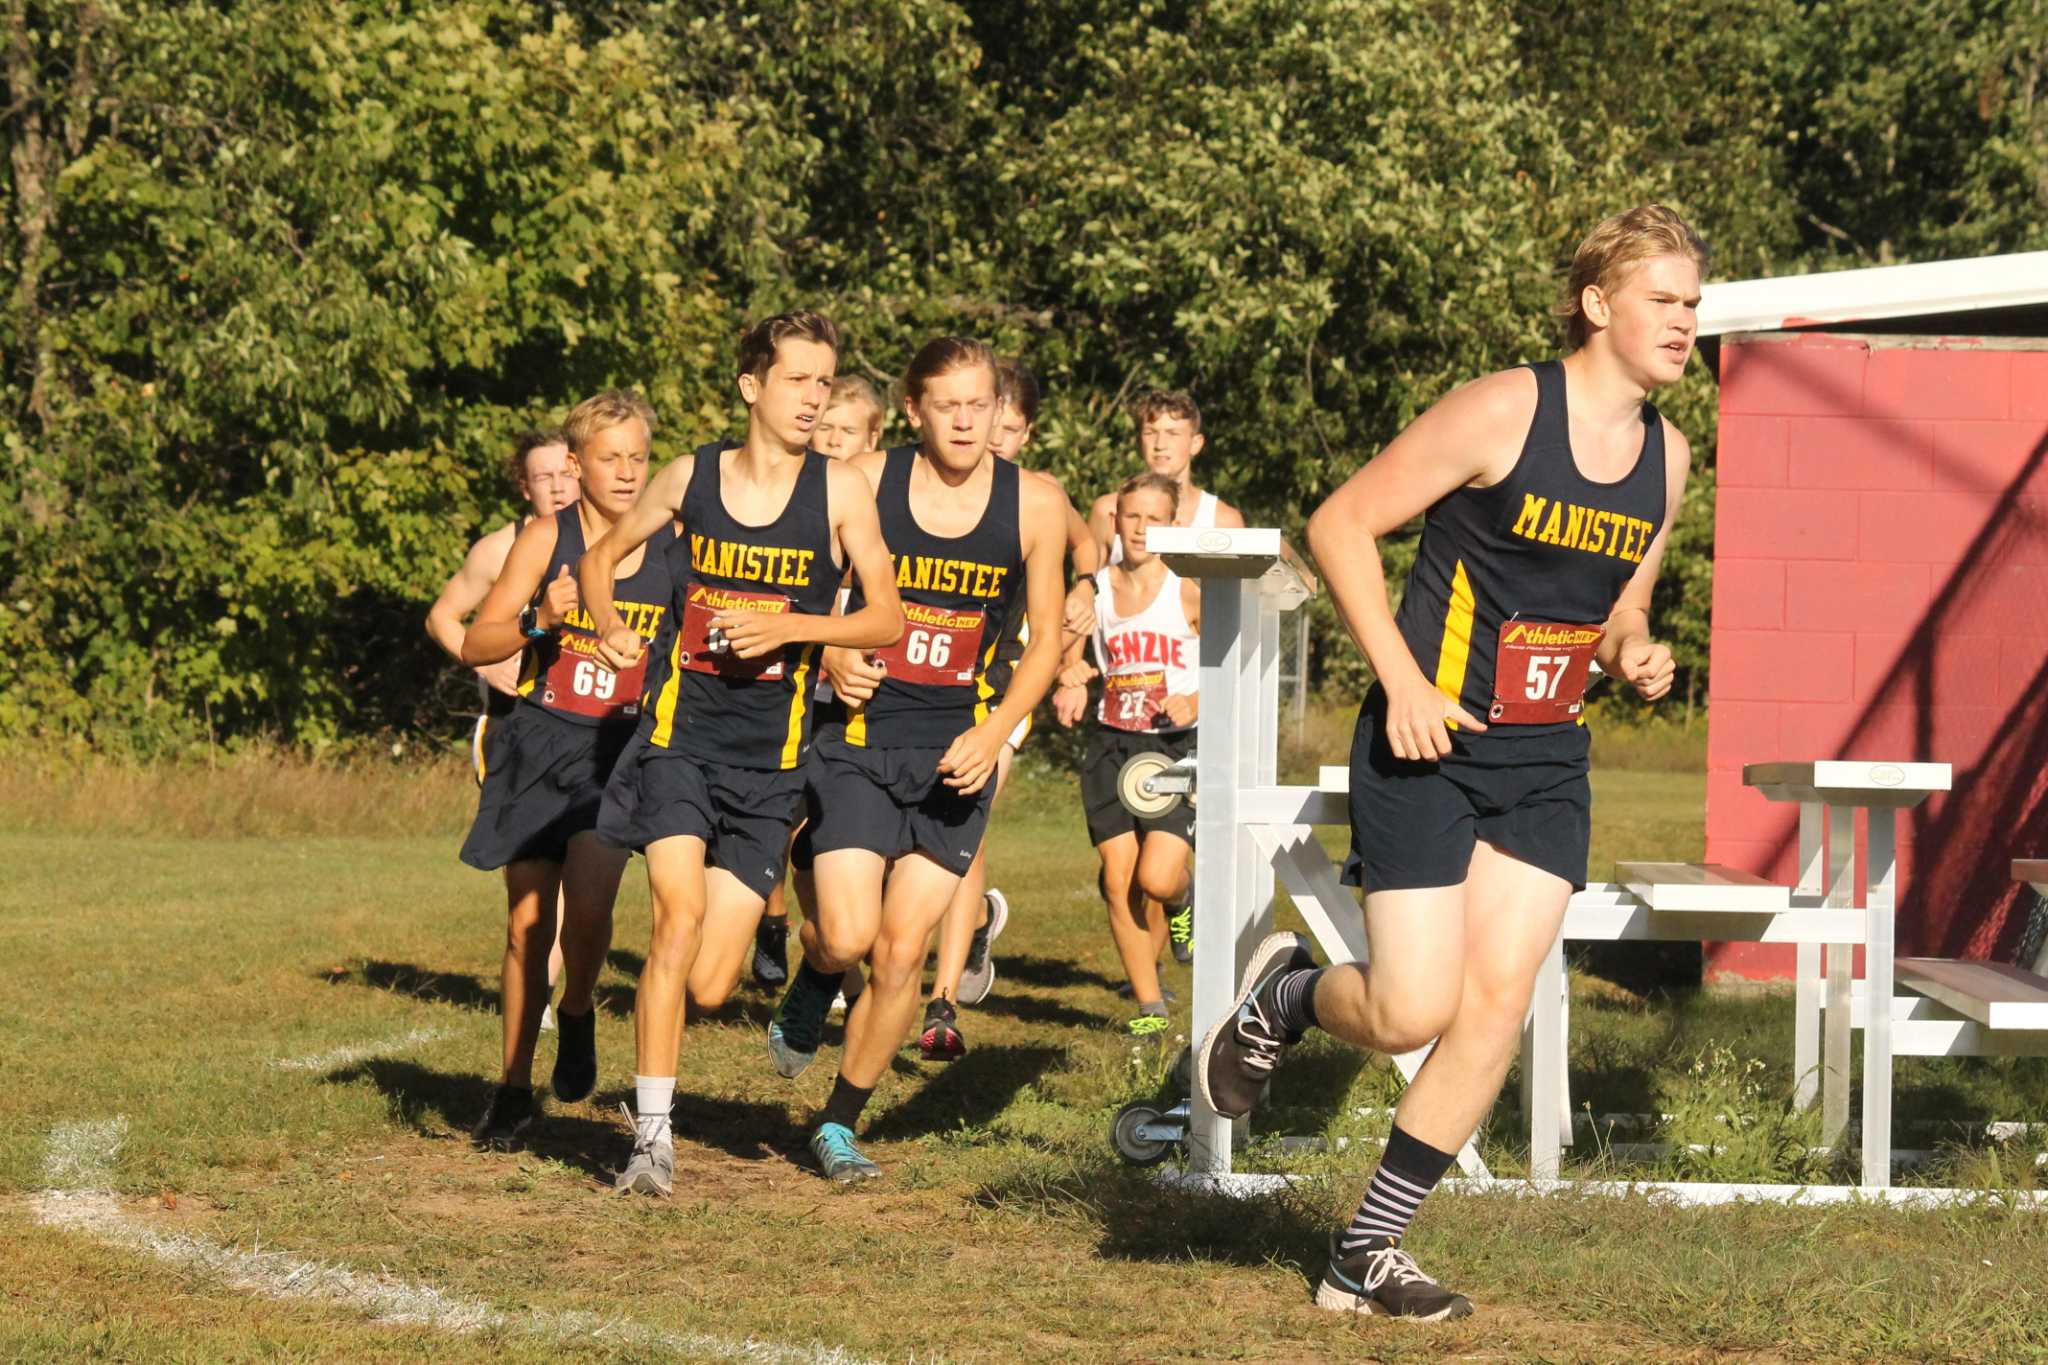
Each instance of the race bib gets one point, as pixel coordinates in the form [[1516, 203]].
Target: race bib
[[1540, 672], [577, 683], [1134, 701], [939, 646], [704, 647]]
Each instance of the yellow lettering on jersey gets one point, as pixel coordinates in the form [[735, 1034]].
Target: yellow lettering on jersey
[[1591, 529], [773, 564], [966, 577], [1574, 525]]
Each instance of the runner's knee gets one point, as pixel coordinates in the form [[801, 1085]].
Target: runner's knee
[[896, 960], [1403, 1019]]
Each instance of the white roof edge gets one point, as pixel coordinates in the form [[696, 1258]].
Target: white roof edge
[[1886, 291]]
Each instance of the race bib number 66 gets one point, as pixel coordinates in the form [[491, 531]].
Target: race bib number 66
[[940, 646], [1540, 672]]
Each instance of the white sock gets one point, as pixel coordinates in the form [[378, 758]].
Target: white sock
[[652, 1098]]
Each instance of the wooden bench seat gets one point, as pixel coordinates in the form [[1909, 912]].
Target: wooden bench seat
[[1993, 994], [1702, 886]]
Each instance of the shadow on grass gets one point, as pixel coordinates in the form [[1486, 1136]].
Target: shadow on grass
[[1137, 1219], [424, 983], [1310, 1091], [742, 1128], [1055, 973], [419, 1096], [1036, 1009], [626, 962], [970, 1092]]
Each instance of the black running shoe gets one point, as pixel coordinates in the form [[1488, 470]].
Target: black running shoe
[[771, 952], [504, 1126], [941, 1041], [1180, 932], [798, 1025], [1380, 1278], [575, 1057], [1237, 1058]]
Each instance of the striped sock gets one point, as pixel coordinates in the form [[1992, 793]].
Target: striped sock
[[1410, 1169], [1294, 1001]]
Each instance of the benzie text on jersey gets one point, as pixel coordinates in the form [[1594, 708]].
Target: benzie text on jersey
[[560, 672], [1513, 582], [703, 700], [962, 598]]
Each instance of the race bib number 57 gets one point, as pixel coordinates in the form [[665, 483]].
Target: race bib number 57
[[1540, 672]]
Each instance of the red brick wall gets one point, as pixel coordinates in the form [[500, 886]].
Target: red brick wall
[[1881, 592]]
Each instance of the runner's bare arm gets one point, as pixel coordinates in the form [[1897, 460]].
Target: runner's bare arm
[[1457, 442], [660, 501], [858, 526], [495, 634], [848, 670], [971, 759], [1627, 649], [1089, 553], [466, 589]]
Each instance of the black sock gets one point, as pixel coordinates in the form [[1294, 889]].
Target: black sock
[[1293, 997], [846, 1103], [1410, 1169], [817, 981]]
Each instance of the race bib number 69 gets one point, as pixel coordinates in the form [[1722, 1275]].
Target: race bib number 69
[[1540, 672]]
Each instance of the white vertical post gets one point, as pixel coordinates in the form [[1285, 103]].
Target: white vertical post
[[1806, 974], [1260, 623], [1841, 894], [1217, 779], [1879, 908], [1543, 1066]]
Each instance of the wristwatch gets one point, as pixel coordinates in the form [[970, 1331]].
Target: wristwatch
[[529, 623]]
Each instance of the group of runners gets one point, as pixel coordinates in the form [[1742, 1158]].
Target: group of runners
[[793, 655]]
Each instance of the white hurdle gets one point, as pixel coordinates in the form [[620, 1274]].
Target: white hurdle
[[1248, 828], [1251, 832]]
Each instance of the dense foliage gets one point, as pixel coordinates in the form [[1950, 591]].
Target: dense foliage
[[282, 277]]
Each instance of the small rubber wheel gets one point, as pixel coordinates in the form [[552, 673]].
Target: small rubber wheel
[[1134, 786], [1123, 1134]]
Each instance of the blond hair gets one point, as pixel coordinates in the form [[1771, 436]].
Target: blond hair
[[851, 388], [1149, 482], [1614, 248], [602, 411]]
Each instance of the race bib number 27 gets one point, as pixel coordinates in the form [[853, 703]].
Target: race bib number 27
[[1540, 672], [1134, 701]]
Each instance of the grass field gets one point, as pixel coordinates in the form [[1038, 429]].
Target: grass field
[[297, 1027]]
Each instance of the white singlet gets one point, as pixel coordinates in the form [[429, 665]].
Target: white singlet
[[1205, 515], [1144, 657]]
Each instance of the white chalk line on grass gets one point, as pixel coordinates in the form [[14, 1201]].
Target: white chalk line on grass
[[1694, 1193], [78, 1162], [348, 1056]]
